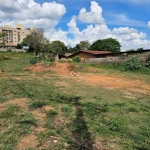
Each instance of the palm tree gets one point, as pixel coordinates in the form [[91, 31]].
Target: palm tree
[[84, 45]]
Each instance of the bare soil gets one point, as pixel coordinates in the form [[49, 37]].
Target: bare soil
[[29, 141], [21, 102], [109, 81]]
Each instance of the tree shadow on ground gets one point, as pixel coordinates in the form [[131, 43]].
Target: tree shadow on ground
[[82, 139]]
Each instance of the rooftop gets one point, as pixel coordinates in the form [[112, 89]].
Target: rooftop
[[95, 52]]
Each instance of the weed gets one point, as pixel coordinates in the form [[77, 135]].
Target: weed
[[10, 112], [66, 109], [132, 109], [119, 104], [42, 136], [26, 118], [116, 124], [51, 113], [37, 104], [105, 108]]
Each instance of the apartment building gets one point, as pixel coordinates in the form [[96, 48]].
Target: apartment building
[[14, 35]]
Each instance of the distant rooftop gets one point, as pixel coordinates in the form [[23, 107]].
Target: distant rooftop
[[95, 52]]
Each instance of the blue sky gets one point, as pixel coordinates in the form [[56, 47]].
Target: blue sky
[[72, 21]]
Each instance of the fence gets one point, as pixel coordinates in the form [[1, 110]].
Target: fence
[[118, 59]]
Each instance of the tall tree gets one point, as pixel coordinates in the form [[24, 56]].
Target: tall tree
[[140, 49], [111, 44], [97, 45], [58, 47], [77, 47], [2, 37], [35, 40], [84, 45], [108, 44]]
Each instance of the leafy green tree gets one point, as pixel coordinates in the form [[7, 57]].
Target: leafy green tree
[[97, 45], [35, 40], [58, 47], [19, 46], [84, 45], [77, 47], [71, 50], [111, 44], [74, 49], [130, 50], [2, 37], [140, 49], [108, 44]]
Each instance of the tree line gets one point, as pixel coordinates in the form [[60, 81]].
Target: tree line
[[38, 43]]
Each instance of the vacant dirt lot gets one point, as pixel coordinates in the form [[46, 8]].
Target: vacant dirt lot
[[90, 77], [113, 82]]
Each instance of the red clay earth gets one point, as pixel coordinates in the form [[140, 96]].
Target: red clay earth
[[108, 81]]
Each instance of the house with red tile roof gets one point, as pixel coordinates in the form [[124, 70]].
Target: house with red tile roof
[[85, 54]]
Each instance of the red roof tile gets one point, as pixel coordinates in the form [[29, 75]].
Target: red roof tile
[[95, 52]]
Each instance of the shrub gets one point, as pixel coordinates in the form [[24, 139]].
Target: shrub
[[148, 63], [132, 64], [33, 60], [69, 60], [9, 50], [37, 104], [116, 124], [76, 59]]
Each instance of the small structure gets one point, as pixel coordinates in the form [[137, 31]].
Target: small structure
[[64, 56], [85, 54]]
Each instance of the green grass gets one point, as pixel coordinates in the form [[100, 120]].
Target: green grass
[[13, 126], [79, 115]]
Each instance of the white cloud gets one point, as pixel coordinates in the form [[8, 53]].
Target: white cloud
[[73, 26], [47, 15], [128, 37], [149, 24], [94, 16], [31, 13]]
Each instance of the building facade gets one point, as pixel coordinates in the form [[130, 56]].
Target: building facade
[[14, 36]]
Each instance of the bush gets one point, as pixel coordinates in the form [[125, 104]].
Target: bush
[[9, 50], [132, 64], [148, 63], [33, 60], [76, 59], [69, 60], [116, 124]]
